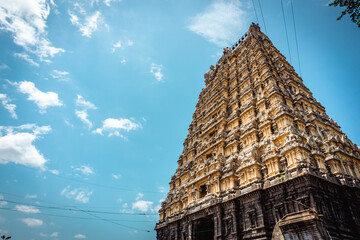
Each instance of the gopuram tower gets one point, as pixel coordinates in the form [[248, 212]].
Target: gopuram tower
[[262, 159]]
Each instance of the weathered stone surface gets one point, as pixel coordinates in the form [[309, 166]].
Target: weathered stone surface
[[305, 224], [262, 152]]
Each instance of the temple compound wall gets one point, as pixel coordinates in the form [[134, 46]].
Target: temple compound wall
[[262, 159]]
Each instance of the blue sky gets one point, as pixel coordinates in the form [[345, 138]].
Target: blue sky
[[97, 96]]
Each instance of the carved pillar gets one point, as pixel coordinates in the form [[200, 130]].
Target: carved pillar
[[177, 232], [219, 184], [190, 231], [182, 232], [218, 223], [312, 202], [234, 220]]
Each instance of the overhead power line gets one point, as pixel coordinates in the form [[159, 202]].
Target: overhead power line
[[105, 186], [86, 211], [77, 209], [50, 202], [257, 19], [262, 15], [116, 223], [287, 37], [73, 217], [296, 40]]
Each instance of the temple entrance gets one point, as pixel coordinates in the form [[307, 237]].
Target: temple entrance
[[204, 228]]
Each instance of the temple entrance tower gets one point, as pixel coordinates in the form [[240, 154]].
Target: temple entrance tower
[[261, 151]]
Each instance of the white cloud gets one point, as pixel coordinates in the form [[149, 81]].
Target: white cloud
[[222, 22], [116, 176], [74, 19], [107, 2], [27, 58], [117, 45], [142, 205], [78, 194], [82, 114], [26, 209], [68, 123], [133, 232], [156, 70], [2, 201], [81, 102], [88, 24], [123, 61], [161, 189], [4, 66], [113, 126], [5, 101], [60, 75], [139, 196], [86, 170], [80, 236], [54, 234], [26, 21], [42, 99], [16, 145], [32, 222], [28, 196], [157, 208], [126, 209], [122, 45], [54, 171]]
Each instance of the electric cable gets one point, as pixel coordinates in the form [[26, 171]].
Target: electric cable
[[287, 37], [262, 15], [89, 212], [77, 209], [105, 186], [116, 223], [50, 202], [257, 19], [73, 217], [296, 40]]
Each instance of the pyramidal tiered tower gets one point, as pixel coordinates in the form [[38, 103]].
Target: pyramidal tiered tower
[[262, 159]]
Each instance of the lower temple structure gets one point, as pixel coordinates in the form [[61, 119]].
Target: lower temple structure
[[332, 212], [262, 159]]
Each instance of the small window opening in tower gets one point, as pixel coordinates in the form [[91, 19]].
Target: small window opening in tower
[[203, 191]]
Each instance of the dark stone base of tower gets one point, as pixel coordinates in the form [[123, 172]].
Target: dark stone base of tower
[[262, 159], [305, 207]]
